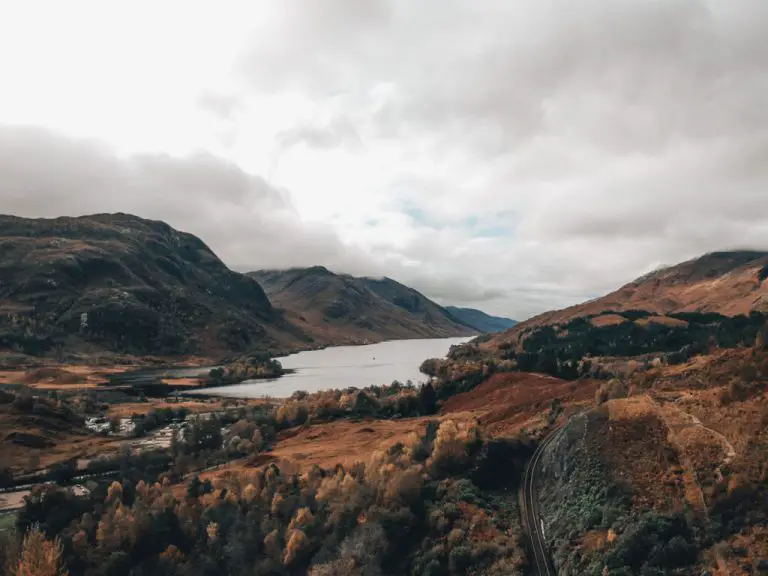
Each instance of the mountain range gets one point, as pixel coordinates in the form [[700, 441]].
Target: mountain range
[[351, 310], [117, 283]]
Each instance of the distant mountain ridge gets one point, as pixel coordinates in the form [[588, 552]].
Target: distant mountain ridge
[[481, 321], [355, 310]]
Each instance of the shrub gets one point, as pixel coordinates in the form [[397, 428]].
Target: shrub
[[460, 559], [455, 442], [655, 541]]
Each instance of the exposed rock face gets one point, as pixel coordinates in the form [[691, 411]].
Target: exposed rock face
[[120, 283], [350, 309]]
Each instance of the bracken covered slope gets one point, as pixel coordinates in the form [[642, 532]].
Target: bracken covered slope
[[728, 283], [354, 310], [119, 283]]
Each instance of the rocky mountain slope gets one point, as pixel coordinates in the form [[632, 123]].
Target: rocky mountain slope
[[481, 321], [119, 283], [727, 283], [354, 310], [664, 476], [652, 435]]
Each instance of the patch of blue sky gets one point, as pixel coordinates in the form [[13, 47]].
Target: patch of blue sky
[[493, 232], [416, 213], [421, 217]]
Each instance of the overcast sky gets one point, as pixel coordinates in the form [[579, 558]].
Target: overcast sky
[[513, 156]]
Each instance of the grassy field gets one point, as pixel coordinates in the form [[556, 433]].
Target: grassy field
[[7, 521]]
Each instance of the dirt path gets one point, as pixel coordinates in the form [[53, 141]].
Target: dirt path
[[678, 423], [693, 492], [728, 448]]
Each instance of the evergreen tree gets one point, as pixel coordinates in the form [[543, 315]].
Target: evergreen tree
[[428, 399]]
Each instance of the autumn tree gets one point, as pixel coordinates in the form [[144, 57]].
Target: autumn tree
[[38, 556]]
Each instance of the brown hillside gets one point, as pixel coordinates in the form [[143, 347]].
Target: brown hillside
[[728, 283], [122, 284], [353, 310], [39, 433], [508, 402]]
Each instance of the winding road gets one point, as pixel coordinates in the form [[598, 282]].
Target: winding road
[[532, 519]]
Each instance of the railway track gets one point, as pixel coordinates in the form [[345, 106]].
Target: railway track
[[534, 525]]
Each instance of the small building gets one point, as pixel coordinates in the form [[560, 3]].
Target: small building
[[80, 491]]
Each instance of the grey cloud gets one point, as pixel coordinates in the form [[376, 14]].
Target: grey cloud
[[221, 105], [339, 133], [224, 108], [247, 221], [619, 134], [622, 133], [455, 289], [621, 77], [514, 301], [628, 75], [306, 44]]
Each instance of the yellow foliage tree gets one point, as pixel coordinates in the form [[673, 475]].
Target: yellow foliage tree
[[301, 519], [114, 493], [452, 442], [39, 557], [297, 541]]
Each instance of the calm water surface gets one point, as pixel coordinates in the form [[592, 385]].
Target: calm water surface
[[345, 366]]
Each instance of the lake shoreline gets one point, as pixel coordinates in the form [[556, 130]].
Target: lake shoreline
[[340, 368], [182, 379]]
